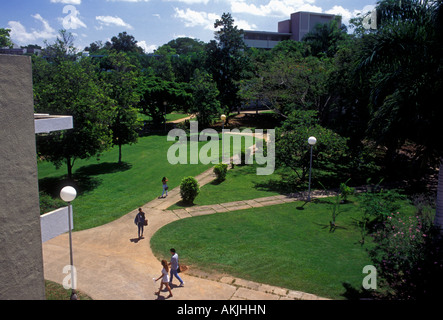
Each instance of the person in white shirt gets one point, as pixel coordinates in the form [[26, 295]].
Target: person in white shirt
[[174, 267], [165, 279]]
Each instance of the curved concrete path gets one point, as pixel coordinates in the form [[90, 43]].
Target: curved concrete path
[[111, 264]]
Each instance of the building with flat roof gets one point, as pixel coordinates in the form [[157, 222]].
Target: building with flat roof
[[295, 28]]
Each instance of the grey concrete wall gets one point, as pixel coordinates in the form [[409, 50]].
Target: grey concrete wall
[[21, 262]]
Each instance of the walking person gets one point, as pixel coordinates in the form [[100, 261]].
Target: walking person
[[165, 187], [140, 221], [165, 279], [174, 267]]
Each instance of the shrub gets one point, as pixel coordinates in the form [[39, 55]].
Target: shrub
[[220, 171], [380, 204], [48, 204], [408, 256], [346, 191], [189, 189]]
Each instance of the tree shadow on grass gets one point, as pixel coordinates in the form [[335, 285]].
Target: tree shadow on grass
[[82, 184], [83, 179], [185, 204], [352, 293], [274, 185], [103, 168]]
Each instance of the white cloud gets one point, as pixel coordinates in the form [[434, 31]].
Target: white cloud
[[147, 48], [78, 2], [206, 20], [22, 36], [347, 14], [243, 24], [112, 21], [190, 1], [128, 0], [283, 8], [193, 18], [278, 8]]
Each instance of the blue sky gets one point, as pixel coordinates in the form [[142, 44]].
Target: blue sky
[[153, 22]]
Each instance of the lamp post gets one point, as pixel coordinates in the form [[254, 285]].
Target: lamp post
[[312, 141], [164, 105], [223, 118], [68, 194]]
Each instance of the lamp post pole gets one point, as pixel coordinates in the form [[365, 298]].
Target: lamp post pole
[[73, 292], [312, 141], [164, 104], [68, 194]]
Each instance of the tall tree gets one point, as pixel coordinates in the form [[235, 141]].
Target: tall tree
[[120, 82], [288, 82], [227, 60], [124, 42], [158, 97], [204, 97], [62, 48], [325, 39], [70, 88], [5, 38], [292, 149], [402, 60]]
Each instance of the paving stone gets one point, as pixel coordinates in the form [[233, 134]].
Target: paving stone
[[239, 207], [199, 208], [264, 199], [249, 294], [218, 208], [202, 212], [292, 294], [253, 203], [266, 288], [308, 296], [233, 204], [181, 213], [246, 283], [272, 202], [280, 291], [290, 199], [227, 280]]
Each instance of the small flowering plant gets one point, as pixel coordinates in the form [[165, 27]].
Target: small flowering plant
[[406, 256]]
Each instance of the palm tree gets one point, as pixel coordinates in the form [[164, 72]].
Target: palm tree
[[402, 61]]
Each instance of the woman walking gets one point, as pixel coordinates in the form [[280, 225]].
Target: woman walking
[[165, 187], [165, 279]]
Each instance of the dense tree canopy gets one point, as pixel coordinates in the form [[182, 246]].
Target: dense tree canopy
[[377, 89]]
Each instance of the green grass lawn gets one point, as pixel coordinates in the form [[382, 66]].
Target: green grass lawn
[[55, 291], [107, 190], [241, 183], [286, 245]]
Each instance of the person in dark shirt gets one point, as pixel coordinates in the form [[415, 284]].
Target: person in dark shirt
[[140, 221]]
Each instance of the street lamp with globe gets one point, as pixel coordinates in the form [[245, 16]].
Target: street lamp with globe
[[312, 141], [68, 194]]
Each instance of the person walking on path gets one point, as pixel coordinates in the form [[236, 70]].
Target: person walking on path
[[165, 187], [165, 279], [140, 221], [174, 267]]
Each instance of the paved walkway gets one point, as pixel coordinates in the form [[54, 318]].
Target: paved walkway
[[112, 264]]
